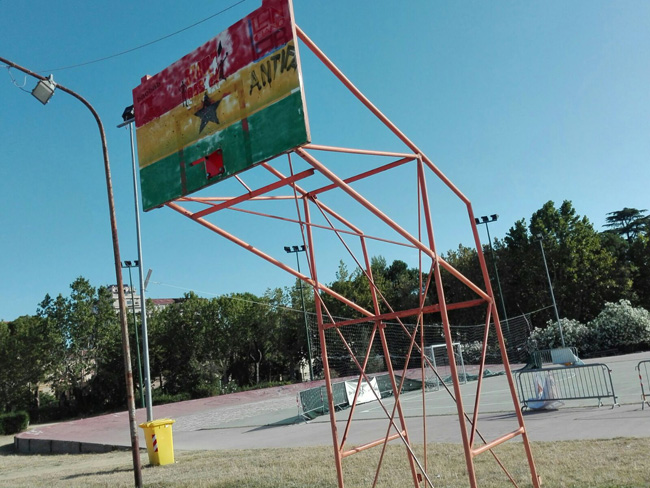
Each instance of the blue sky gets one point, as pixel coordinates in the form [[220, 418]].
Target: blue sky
[[517, 103]]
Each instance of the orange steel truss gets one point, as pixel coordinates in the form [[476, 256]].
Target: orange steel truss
[[430, 276]]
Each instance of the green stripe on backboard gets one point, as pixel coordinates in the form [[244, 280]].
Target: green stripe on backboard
[[242, 145]]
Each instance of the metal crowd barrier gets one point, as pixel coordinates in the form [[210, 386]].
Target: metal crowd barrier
[[313, 401], [537, 387], [644, 377]]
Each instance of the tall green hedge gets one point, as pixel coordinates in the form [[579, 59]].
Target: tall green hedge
[[13, 422]]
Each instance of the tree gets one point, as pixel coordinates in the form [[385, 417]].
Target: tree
[[107, 389], [19, 363], [53, 313], [83, 326], [640, 258], [525, 287], [628, 222], [583, 272], [465, 260], [186, 331], [629, 238]]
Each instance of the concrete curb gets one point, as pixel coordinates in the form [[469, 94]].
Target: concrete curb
[[49, 446]]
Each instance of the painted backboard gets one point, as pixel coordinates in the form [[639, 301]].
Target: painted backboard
[[232, 103]]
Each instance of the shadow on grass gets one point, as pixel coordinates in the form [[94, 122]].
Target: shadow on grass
[[106, 472], [7, 449], [288, 421]]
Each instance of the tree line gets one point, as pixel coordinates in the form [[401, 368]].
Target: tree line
[[201, 347]]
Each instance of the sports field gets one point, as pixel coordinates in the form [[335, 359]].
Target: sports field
[[256, 439]]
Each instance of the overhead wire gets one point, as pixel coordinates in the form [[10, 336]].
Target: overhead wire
[[230, 297], [121, 53]]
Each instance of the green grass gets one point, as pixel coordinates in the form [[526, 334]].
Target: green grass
[[615, 463]]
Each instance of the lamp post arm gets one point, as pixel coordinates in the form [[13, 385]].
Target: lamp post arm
[[137, 467]]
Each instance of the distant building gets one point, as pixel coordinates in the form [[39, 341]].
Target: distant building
[[160, 303], [134, 300], [131, 299]]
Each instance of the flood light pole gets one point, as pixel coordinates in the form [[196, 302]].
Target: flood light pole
[[540, 238], [128, 116], [296, 250], [43, 92], [486, 220], [129, 265]]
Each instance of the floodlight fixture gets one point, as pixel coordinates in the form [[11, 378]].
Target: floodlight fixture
[[287, 249], [128, 114], [485, 219], [295, 248], [44, 90]]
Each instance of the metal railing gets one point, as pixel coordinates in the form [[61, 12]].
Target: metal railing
[[538, 387], [563, 355], [643, 369]]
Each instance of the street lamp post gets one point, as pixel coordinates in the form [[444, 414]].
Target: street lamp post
[[486, 220], [43, 91], [128, 116], [540, 238], [129, 265], [296, 250]]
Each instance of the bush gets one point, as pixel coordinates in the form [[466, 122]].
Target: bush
[[620, 325], [574, 333], [472, 353], [48, 410], [160, 398], [13, 422]]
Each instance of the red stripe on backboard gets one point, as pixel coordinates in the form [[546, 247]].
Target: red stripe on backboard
[[256, 35]]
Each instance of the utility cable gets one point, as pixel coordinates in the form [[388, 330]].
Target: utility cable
[[142, 45], [230, 297], [22, 87]]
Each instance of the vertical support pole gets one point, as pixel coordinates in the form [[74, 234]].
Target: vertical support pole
[[323, 347], [502, 347], [421, 300], [469, 461], [389, 365]]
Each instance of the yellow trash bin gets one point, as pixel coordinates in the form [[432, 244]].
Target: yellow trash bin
[[160, 443]]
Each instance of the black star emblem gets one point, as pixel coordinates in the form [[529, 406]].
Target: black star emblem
[[208, 113]]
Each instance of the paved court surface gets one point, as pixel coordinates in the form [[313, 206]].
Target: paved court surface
[[270, 418]]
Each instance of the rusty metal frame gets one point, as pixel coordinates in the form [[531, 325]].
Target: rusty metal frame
[[396, 428]]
